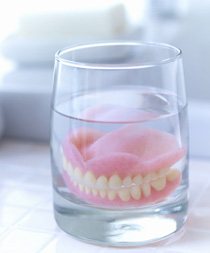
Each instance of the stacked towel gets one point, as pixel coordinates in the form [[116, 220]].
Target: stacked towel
[[41, 34]]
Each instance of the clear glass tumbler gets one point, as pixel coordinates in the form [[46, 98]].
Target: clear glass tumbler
[[119, 142]]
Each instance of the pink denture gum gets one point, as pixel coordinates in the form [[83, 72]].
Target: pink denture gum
[[129, 166]]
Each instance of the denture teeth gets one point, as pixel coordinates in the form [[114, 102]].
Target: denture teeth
[[87, 190], [150, 177], [102, 194], [138, 180], [163, 172], [111, 195], [124, 195], [78, 175], [146, 189], [81, 187], [65, 163], [94, 192], [70, 169], [126, 188], [172, 175], [135, 192], [115, 182], [159, 184], [101, 182], [89, 179], [127, 181]]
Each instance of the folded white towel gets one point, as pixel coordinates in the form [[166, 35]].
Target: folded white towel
[[41, 34], [105, 20]]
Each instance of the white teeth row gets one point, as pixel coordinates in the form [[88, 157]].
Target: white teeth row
[[114, 186]]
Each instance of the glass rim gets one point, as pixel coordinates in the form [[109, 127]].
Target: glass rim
[[116, 66]]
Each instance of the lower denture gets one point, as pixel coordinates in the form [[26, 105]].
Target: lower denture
[[105, 170], [114, 185]]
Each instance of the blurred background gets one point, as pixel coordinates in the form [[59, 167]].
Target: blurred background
[[32, 31]]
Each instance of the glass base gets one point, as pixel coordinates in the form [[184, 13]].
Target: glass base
[[117, 228]]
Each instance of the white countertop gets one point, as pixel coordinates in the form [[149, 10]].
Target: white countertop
[[26, 214]]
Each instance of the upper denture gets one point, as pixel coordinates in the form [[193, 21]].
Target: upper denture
[[152, 149], [125, 151]]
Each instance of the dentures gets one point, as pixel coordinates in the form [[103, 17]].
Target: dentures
[[129, 166]]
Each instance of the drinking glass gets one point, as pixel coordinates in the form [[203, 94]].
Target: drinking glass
[[119, 142]]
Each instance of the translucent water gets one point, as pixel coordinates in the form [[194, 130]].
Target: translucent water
[[131, 222]]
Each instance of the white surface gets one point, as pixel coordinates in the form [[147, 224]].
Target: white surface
[[26, 214]]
